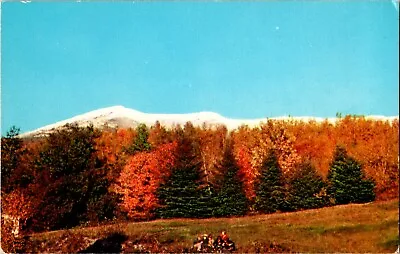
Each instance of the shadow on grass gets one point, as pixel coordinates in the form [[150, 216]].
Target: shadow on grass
[[109, 244]]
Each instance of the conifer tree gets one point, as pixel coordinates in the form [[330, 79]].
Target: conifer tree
[[206, 203], [270, 195], [11, 152], [140, 144], [231, 199], [347, 183], [182, 194], [306, 188], [178, 196]]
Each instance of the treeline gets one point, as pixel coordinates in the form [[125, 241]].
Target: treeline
[[81, 176]]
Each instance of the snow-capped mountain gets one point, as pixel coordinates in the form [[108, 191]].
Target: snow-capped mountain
[[119, 116]]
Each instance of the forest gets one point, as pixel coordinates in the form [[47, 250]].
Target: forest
[[82, 176]]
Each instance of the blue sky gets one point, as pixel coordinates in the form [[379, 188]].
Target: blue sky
[[240, 59]]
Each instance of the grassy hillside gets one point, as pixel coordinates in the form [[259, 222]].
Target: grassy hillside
[[371, 227]]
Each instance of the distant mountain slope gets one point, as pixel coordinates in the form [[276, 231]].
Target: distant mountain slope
[[119, 116]]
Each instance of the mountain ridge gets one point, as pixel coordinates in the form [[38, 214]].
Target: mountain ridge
[[120, 116]]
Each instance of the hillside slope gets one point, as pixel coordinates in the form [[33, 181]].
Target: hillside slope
[[371, 227]]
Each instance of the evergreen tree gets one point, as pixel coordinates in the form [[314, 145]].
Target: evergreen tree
[[347, 183], [206, 202], [140, 144], [306, 188], [270, 195], [183, 194], [178, 195], [231, 199], [73, 180], [11, 152]]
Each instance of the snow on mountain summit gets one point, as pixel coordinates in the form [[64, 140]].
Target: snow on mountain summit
[[120, 116]]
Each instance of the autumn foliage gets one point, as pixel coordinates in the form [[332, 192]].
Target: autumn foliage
[[82, 175], [140, 178], [375, 144]]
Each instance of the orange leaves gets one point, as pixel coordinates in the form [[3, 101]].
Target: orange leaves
[[246, 172], [158, 135], [245, 141], [253, 145], [211, 151], [315, 141], [17, 204], [111, 143], [137, 177], [276, 136], [373, 143], [140, 178]]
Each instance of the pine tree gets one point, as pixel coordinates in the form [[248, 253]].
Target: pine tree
[[183, 194], [231, 199], [270, 195], [306, 188], [140, 143], [11, 152], [347, 183], [179, 196]]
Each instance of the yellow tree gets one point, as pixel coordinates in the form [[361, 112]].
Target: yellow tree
[[275, 135], [212, 143]]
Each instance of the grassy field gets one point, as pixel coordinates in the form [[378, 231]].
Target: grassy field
[[371, 227]]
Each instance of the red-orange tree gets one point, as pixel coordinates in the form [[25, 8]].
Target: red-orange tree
[[245, 141], [140, 178]]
